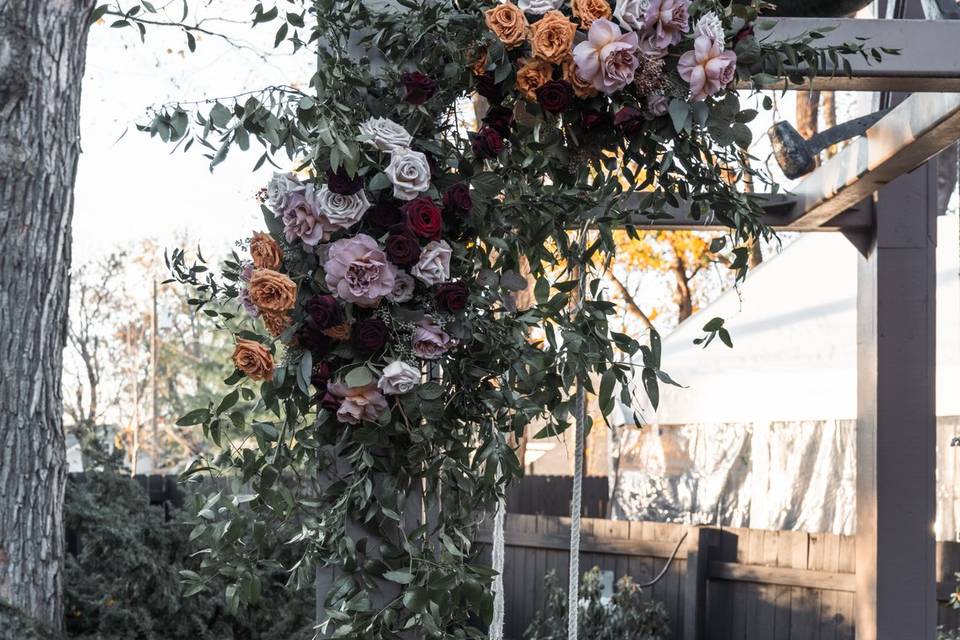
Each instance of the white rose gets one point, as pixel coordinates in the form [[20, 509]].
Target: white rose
[[398, 378], [385, 134], [340, 211], [409, 172], [539, 7], [403, 286], [279, 188], [630, 13], [711, 26], [434, 265]]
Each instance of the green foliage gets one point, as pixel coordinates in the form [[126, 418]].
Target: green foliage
[[626, 615], [125, 582]]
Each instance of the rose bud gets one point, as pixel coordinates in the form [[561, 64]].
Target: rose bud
[[488, 88], [457, 200], [743, 34], [487, 143], [369, 335], [325, 311], [629, 120], [424, 218], [402, 247], [451, 296], [330, 402], [340, 182], [418, 86], [555, 96], [501, 119], [383, 215]]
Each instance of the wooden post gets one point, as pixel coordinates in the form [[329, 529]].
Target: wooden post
[[896, 421], [703, 546]]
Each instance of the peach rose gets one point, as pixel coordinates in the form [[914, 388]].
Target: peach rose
[[478, 62], [253, 359], [581, 88], [508, 23], [265, 251], [532, 75], [272, 291], [339, 332], [589, 10], [275, 321], [551, 37]]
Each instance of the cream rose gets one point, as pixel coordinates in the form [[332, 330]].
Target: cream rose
[[403, 287], [539, 7], [409, 172], [434, 265], [385, 134], [398, 378], [339, 211], [280, 187], [631, 14]]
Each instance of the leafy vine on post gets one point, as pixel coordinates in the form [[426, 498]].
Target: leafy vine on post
[[375, 325]]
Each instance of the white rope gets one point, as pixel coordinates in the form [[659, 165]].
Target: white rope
[[573, 594], [496, 624]]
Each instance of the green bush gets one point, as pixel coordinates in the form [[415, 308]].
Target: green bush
[[626, 615], [125, 582]]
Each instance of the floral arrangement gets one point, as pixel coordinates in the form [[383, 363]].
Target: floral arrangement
[[384, 336]]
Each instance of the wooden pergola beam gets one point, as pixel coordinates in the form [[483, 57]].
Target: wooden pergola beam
[[928, 60], [916, 130]]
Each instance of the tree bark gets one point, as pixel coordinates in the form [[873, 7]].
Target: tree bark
[[42, 54]]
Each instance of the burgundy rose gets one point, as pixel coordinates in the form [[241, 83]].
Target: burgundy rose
[[330, 402], [488, 88], [311, 337], [555, 96], [369, 335], [325, 311], [424, 218], [383, 215], [419, 87], [321, 375], [457, 200], [451, 296], [500, 118], [402, 247], [629, 120], [592, 118], [341, 182], [487, 143]]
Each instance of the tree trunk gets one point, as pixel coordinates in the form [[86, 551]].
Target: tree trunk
[[42, 51], [808, 112]]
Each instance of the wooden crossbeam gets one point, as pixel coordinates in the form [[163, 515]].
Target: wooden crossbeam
[[928, 59], [917, 129]]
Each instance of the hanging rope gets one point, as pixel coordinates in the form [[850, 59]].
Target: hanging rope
[[573, 593], [496, 624]]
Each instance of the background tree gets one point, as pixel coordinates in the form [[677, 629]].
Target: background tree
[[42, 53]]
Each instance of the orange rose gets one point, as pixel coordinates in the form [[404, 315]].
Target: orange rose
[[508, 23], [253, 359], [478, 64], [551, 37], [339, 332], [272, 291], [275, 321], [265, 251], [589, 10], [581, 88], [532, 75]]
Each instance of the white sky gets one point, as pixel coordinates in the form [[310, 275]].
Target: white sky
[[133, 188]]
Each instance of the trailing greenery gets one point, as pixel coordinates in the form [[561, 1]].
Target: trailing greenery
[[626, 615], [125, 581]]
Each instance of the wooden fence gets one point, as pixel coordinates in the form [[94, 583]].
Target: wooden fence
[[730, 584]]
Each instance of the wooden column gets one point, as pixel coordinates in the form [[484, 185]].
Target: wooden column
[[896, 421]]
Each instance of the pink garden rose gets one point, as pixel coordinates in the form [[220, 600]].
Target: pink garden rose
[[667, 21], [358, 271], [358, 404], [430, 341], [301, 220], [708, 68], [607, 58]]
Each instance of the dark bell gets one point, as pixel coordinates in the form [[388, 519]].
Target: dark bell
[[817, 8]]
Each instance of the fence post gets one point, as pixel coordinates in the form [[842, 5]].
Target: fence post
[[700, 542]]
